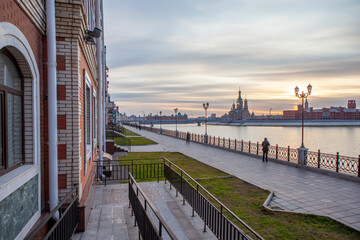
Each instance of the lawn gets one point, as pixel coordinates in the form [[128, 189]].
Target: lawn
[[131, 141], [127, 132], [246, 200]]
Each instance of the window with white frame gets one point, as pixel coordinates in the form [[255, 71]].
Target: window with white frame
[[94, 117], [11, 117], [88, 118]]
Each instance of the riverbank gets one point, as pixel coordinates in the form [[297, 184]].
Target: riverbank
[[291, 123], [296, 189]]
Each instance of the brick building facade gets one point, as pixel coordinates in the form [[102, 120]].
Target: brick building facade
[[343, 113], [24, 163]]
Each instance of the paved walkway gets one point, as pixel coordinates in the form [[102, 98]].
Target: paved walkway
[[295, 189], [146, 148], [111, 218]]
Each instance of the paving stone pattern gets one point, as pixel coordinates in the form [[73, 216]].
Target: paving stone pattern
[[107, 218], [295, 189], [111, 218]]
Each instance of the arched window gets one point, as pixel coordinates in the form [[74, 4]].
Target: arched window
[[11, 115]]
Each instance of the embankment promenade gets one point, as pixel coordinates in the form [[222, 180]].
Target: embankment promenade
[[295, 189]]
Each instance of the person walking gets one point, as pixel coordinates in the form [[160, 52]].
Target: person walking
[[187, 138], [265, 147]]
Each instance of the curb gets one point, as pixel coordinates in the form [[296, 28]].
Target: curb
[[268, 200]]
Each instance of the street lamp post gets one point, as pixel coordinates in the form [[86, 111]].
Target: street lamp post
[[206, 106], [176, 132], [160, 123], [302, 150]]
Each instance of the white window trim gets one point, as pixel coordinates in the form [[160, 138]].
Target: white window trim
[[88, 146], [95, 120], [10, 35]]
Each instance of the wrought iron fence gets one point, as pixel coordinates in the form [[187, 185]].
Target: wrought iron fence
[[117, 170], [214, 218], [335, 162], [67, 223], [147, 226], [331, 162]]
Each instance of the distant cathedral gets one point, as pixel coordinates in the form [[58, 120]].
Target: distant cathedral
[[241, 111]]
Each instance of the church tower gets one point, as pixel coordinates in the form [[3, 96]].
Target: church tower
[[240, 110], [239, 101]]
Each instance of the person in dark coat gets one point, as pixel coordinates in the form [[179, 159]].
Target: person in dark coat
[[265, 147], [187, 137]]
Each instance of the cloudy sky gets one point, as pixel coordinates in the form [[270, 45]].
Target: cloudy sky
[[164, 54]]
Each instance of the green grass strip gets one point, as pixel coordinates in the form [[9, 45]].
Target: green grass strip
[[132, 140], [128, 132]]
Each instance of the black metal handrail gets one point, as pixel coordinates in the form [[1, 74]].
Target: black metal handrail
[[117, 170], [67, 223], [214, 218], [222, 227], [147, 227]]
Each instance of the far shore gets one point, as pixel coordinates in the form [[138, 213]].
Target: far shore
[[291, 123]]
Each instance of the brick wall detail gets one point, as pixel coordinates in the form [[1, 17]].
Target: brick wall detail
[[61, 121], [60, 62], [62, 151], [61, 92], [62, 178]]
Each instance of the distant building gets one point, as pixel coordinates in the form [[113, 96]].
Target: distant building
[[164, 117], [349, 113], [112, 111], [241, 111], [213, 116], [225, 116]]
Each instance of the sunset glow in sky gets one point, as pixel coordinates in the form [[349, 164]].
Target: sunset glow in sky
[[165, 54]]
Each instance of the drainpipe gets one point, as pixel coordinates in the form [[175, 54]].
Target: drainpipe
[[52, 105], [104, 74], [100, 85]]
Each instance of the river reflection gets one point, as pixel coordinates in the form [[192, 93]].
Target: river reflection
[[345, 140]]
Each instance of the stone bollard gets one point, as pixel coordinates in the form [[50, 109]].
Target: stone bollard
[[302, 156]]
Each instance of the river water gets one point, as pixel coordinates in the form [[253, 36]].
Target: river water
[[345, 140]]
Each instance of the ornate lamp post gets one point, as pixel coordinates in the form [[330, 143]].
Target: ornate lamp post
[[160, 123], [205, 106], [176, 132], [302, 96]]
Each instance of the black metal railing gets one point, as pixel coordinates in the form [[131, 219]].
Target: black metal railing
[[330, 162], [216, 219], [117, 170], [146, 223], [67, 223], [335, 162]]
